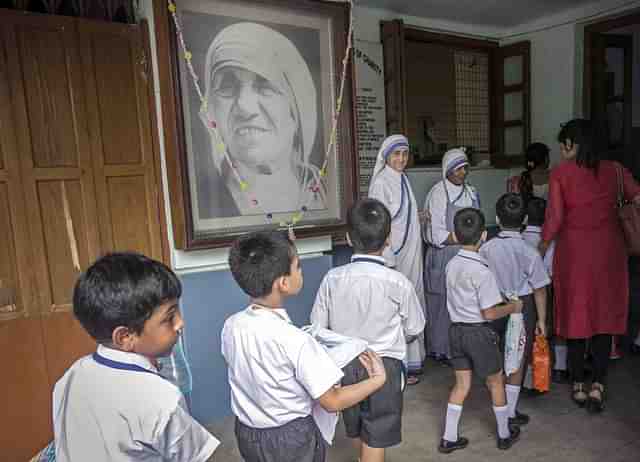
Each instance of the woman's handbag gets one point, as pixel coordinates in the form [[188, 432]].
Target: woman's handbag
[[629, 214]]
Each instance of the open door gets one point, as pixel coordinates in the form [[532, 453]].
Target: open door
[[611, 93], [393, 48]]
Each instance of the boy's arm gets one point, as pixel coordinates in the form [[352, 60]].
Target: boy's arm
[[540, 297], [320, 311], [490, 299], [339, 398]]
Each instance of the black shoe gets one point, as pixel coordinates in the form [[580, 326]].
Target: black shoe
[[635, 349], [446, 447], [531, 392], [558, 376], [506, 443], [519, 420]]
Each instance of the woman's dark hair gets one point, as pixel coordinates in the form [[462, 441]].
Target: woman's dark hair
[[122, 289], [580, 132], [537, 154]]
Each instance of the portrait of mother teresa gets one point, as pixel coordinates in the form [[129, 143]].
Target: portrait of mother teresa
[[260, 93]]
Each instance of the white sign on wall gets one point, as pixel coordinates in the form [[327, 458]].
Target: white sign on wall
[[370, 109]]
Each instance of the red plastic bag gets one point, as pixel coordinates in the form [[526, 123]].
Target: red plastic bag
[[541, 364]]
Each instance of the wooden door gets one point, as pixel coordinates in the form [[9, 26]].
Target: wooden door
[[24, 390], [117, 73], [79, 177], [56, 169], [611, 97]]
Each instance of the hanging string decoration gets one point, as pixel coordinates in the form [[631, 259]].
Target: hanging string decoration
[[244, 186]]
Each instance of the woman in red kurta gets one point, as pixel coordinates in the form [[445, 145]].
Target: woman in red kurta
[[590, 278]]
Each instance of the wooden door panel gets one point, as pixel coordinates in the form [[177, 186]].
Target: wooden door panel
[[25, 396], [393, 49], [123, 160]]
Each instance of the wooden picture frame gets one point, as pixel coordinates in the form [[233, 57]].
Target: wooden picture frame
[[317, 30]]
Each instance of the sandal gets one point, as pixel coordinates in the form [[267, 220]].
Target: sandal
[[578, 395], [595, 401], [413, 380]]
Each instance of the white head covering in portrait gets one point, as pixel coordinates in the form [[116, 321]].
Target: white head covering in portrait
[[274, 57], [390, 144]]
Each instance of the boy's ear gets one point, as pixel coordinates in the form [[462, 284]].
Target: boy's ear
[[387, 241], [123, 338], [349, 240], [483, 238], [498, 221], [526, 220]]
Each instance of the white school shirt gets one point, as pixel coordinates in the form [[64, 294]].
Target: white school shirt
[[276, 371], [436, 205], [533, 235], [104, 414], [471, 287], [517, 266], [365, 299]]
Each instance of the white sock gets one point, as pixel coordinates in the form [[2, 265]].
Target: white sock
[[502, 419], [560, 352], [513, 392], [451, 425], [637, 340], [528, 379]]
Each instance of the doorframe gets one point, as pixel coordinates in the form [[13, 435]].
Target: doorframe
[[605, 25]]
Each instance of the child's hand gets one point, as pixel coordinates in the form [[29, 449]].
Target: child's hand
[[541, 329], [373, 364]]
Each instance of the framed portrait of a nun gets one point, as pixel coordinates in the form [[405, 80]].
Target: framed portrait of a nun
[[252, 146]]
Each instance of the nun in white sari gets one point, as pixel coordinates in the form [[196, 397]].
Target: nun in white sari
[[443, 201], [390, 186]]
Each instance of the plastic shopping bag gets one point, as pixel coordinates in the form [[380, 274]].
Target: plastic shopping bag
[[515, 341], [541, 364]]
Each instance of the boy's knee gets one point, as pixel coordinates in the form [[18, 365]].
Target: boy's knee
[[495, 380]]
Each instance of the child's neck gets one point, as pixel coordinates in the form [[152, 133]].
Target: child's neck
[[510, 230], [377, 253], [472, 248], [273, 301]]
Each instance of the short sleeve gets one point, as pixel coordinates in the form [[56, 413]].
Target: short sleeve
[[412, 312], [488, 291], [320, 311], [315, 369], [183, 438]]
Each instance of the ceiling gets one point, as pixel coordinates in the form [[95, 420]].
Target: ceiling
[[496, 13]]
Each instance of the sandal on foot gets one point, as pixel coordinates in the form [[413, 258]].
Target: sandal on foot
[[578, 395], [413, 380], [595, 401]]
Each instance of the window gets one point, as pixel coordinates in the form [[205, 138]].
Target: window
[[445, 91]]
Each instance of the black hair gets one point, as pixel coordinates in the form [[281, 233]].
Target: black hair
[[511, 210], [536, 209], [579, 131], [122, 289], [537, 155], [469, 225], [369, 225], [259, 258]]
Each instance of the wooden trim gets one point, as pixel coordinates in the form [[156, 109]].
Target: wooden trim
[[418, 35], [155, 145], [169, 121]]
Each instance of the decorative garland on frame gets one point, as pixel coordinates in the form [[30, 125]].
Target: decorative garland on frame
[[244, 185]]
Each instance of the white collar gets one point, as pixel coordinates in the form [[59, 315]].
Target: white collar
[[276, 312], [533, 229], [126, 357], [509, 234], [368, 257]]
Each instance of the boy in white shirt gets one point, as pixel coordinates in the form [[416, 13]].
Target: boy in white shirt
[[277, 371], [473, 299], [519, 270], [113, 406], [368, 300]]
